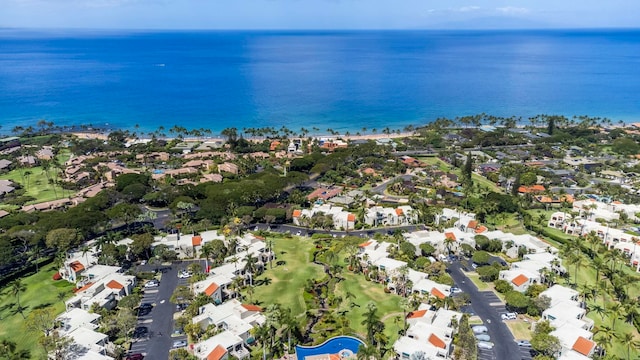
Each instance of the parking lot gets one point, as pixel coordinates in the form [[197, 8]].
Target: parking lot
[[489, 308], [154, 336]]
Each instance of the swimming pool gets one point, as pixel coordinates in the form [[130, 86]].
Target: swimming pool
[[340, 345]]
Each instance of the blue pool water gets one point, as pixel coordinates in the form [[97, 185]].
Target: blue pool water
[[335, 345]]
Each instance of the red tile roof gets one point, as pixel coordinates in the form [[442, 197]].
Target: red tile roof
[[583, 346], [296, 213], [531, 189], [251, 307], [365, 244], [416, 314], [472, 224], [399, 212], [436, 341], [351, 217], [450, 235], [481, 229], [76, 266], [115, 285], [196, 240], [83, 288], [519, 280], [437, 293], [217, 353], [211, 289]]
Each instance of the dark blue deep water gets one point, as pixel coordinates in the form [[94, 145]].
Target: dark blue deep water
[[339, 80]]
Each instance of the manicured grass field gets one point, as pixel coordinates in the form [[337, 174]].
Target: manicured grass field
[[365, 292], [287, 280], [41, 292], [37, 184]]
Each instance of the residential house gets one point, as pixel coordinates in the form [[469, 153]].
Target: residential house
[[228, 167], [231, 316], [222, 346], [5, 187], [323, 193], [401, 215], [430, 333], [341, 219]]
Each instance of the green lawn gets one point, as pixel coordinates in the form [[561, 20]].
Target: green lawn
[[521, 330], [365, 292], [41, 292], [37, 184], [287, 281], [443, 166], [475, 278]]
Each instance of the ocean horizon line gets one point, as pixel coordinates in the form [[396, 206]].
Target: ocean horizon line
[[329, 30]]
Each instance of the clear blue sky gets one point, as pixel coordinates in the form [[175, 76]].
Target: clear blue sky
[[318, 14]]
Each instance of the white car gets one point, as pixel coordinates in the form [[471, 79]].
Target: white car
[[152, 284], [509, 316], [184, 275], [483, 337], [479, 329], [488, 345], [299, 233]]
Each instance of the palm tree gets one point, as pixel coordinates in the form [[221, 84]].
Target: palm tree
[[616, 311], [576, 259], [597, 264], [598, 309], [367, 352], [629, 341], [16, 287], [604, 336], [371, 321]]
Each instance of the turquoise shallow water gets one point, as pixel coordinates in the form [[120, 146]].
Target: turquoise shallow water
[[339, 80]]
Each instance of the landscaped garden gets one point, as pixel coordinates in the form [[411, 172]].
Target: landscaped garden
[[39, 183], [327, 303]]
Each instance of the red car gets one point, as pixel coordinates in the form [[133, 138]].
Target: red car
[[135, 357]]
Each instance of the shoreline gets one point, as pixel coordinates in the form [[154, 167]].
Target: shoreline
[[104, 136]]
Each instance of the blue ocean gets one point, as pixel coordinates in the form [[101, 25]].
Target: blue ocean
[[345, 81]]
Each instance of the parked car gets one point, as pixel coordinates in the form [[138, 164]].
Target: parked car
[[184, 275], [299, 233], [179, 344], [137, 356], [483, 337], [152, 284], [488, 345], [479, 329], [474, 266], [140, 332], [143, 262], [455, 290], [509, 316], [524, 343]]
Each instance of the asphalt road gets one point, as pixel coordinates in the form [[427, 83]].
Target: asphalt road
[[486, 305], [159, 321], [282, 228]]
